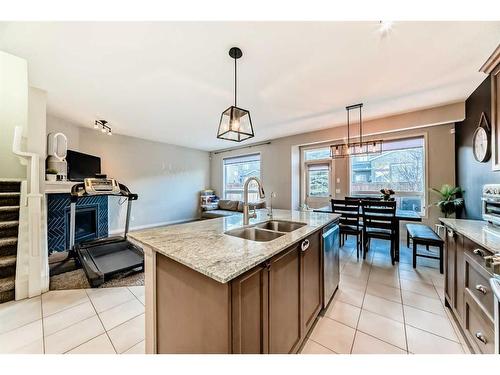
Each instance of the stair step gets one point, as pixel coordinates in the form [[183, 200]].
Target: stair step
[[8, 261], [10, 186], [9, 213], [8, 224], [9, 200], [9, 241], [7, 289]]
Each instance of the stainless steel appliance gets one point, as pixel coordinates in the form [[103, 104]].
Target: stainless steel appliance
[[491, 203], [331, 262], [495, 287]]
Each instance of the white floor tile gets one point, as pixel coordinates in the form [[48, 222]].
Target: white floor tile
[[106, 298], [366, 344], [98, 345], [139, 348], [312, 347], [121, 313], [385, 329], [67, 317], [128, 334], [27, 339], [384, 307], [73, 336], [422, 302], [430, 322], [343, 313], [421, 342], [15, 314], [333, 335], [58, 300]]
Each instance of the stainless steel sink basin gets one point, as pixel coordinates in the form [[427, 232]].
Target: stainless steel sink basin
[[254, 234], [281, 225]]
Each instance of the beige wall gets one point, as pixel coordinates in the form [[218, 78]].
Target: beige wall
[[167, 178], [280, 167], [13, 111]]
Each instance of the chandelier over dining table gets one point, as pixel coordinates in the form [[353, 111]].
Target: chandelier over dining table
[[358, 146]]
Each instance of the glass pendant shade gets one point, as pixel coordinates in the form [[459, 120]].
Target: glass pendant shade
[[235, 125]]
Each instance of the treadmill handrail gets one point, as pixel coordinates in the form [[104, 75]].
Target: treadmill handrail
[[78, 191]]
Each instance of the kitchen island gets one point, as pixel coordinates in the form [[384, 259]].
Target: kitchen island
[[211, 292]]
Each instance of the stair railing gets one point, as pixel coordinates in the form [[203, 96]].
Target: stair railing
[[36, 272]]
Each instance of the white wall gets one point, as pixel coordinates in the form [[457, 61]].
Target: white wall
[[167, 178], [13, 111]]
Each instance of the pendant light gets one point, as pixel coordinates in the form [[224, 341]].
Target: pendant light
[[102, 125], [355, 148], [235, 123]]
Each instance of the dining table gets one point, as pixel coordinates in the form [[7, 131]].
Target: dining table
[[401, 215]]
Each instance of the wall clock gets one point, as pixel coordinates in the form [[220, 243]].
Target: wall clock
[[481, 143]]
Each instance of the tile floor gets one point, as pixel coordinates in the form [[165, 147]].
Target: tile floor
[[379, 308], [92, 321], [385, 309]]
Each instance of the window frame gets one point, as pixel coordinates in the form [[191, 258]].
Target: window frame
[[424, 135], [224, 191]]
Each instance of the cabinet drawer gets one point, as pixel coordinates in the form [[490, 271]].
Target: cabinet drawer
[[475, 251], [478, 326], [478, 285]]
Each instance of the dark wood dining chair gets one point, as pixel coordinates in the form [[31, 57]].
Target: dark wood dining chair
[[379, 221], [349, 221]]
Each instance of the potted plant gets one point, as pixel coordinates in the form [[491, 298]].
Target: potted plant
[[51, 174], [386, 194], [450, 199]]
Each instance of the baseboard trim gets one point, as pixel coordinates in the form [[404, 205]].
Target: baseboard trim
[[153, 225]]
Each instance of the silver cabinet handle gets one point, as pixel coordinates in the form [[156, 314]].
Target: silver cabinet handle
[[304, 245], [481, 288], [478, 252], [481, 337], [451, 233]]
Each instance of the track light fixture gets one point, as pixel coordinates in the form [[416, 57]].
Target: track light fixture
[[102, 124]]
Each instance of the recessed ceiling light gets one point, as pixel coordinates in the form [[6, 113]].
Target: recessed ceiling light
[[385, 27]]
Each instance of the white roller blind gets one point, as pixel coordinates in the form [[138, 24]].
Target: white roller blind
[[242, 159]]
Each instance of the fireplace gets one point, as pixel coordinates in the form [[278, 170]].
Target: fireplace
[[91, 219], [85, 224]]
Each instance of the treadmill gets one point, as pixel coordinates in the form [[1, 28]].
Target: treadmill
[[102, 258]]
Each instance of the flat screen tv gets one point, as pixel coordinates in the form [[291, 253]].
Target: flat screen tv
[[81, 166]]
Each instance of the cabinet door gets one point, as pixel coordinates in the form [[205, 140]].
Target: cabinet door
[[459, 277], [250, 311], [284, 301], [311, 280], [449, 267]]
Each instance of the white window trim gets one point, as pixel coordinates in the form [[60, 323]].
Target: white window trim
[[238, 156], [425, 193]]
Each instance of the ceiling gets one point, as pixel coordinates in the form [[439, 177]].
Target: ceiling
[[170, 81]]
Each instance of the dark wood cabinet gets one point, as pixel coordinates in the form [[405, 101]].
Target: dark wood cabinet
[[249, 297], [467, 291], [284, 302], [450, 255], [274, 305], [311, 281], [268, 309]]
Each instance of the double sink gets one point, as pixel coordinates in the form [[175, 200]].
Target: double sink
[[266, 231]]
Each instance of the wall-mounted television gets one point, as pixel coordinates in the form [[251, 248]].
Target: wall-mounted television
[[81, 166]]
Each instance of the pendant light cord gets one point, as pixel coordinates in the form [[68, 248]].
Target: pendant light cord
[[235, 81]]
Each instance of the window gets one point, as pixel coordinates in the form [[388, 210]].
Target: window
[[317, 154], [400, 167], [236, 171], [318, 180]]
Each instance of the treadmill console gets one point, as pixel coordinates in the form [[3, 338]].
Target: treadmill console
[[96, 186]]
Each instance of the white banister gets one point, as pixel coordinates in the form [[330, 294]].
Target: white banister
[[33, 277]]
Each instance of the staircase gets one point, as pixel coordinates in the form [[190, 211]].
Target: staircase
[[10, 192]]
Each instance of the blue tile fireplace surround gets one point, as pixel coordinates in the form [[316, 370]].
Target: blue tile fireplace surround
[[91, 220]]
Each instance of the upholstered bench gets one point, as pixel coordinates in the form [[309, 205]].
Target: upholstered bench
[[421, 234]]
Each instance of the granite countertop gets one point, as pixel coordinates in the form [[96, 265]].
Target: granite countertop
[[478, 231], [203, 246]]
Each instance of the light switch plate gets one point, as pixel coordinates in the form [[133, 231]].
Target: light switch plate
[[338, 180], [337, 191]]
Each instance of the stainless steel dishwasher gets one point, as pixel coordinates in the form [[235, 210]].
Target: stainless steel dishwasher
[[331, 262]]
